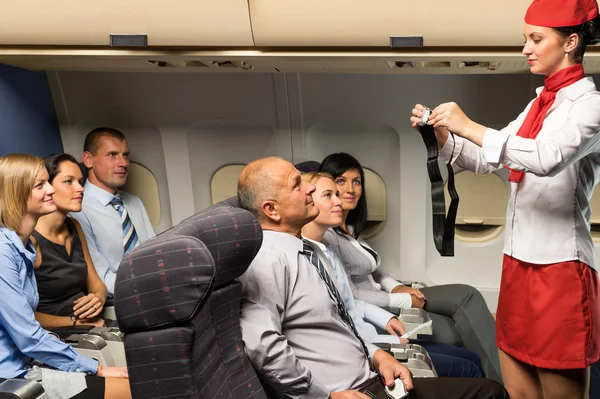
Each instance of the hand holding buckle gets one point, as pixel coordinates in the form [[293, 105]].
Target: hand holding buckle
[[425, 116]]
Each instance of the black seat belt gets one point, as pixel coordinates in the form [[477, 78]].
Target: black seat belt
[[443, 225]]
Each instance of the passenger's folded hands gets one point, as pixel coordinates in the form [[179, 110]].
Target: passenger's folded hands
[[87, 307], [417, 302], [348, 395], [115, 372], [390, 369], [402, 289], [98, 322]]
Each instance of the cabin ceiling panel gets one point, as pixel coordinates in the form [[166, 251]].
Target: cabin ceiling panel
[[458, 63], [85, 23], [450, 62], [371, 23]]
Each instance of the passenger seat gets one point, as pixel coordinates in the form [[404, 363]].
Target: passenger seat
[[178, 304]]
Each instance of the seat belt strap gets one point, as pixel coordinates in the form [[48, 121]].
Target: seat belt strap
[[443, 224]]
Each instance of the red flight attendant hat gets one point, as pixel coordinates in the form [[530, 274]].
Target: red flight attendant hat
[[561, 13]]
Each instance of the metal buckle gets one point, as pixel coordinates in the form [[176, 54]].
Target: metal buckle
[[398, 391], [425, 117]]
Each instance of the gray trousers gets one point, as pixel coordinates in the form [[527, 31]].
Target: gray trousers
[[461, 318]]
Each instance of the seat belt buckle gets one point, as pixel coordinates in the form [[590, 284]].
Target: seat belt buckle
[[398, 391], [425, 117]]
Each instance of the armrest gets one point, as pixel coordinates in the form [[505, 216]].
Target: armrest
[[64, 332], [20, 388], [382, 345], [413, 284]]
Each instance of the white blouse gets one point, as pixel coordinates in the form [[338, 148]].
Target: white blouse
[[361, 263], [548, 213]]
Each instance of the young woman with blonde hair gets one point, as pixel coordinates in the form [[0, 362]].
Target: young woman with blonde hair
[[25, 196]]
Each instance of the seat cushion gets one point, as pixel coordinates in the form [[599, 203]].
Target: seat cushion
[[222, 368], [160, 363]]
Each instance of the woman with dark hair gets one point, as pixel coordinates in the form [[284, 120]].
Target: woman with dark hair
[[459, 312], [549, 307], [71, 292], [25, 196]]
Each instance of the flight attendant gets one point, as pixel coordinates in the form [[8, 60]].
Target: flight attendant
[[548, 317]]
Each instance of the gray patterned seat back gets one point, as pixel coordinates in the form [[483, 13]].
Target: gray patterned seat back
[[178, 303]]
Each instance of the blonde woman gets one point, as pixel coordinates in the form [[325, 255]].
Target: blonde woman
[[449, 361], [25, 196]]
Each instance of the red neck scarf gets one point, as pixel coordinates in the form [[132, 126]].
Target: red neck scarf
[[535, 118]]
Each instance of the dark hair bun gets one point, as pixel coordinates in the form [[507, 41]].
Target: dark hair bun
[[591, 30]]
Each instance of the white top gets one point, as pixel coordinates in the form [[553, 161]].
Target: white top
[[548, 214], [101, 224], [361, 263], [364, 315]]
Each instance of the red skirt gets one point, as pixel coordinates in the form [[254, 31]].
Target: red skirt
[[549, 315]]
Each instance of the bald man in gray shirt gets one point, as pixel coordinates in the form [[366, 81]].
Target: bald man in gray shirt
[[294, 331]]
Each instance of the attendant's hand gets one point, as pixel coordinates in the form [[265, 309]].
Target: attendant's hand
[[114, 372], [390, 369], [396, 328], [348, 395], [98, 322], [450, 117], [402, 289], [88, 307], [441, 133]]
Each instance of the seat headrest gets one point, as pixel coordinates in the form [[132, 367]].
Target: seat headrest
[[232, 235], [163, 281], [308, 166], [84, 171], [231, 201], [168, 277]]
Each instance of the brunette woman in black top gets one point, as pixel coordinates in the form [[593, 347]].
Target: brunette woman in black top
[[70, 289]]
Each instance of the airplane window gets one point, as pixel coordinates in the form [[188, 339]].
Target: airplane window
[[142, 183], [223, 184], [376, 195], [482, 208]]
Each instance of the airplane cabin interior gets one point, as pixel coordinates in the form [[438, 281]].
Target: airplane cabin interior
[[201, 89]]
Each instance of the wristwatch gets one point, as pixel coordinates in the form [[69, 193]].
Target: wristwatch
[[74, 319]]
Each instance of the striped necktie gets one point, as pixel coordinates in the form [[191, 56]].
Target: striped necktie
[[130, 238], [334, 294]]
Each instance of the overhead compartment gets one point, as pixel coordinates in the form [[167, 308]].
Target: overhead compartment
[[371, 23], [90, 23]]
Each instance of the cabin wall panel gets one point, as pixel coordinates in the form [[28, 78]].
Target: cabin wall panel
[[184, 127], [405, 243], [28, 122]]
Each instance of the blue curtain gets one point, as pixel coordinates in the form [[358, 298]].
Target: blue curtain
[[27, 117]]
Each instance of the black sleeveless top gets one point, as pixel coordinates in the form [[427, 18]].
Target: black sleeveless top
[[61, 278]]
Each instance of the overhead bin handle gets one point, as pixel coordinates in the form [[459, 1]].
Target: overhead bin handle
[[406, 41], [443, 225], [128, 40]]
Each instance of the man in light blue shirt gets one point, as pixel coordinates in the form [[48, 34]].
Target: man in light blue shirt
[[114, 221]]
